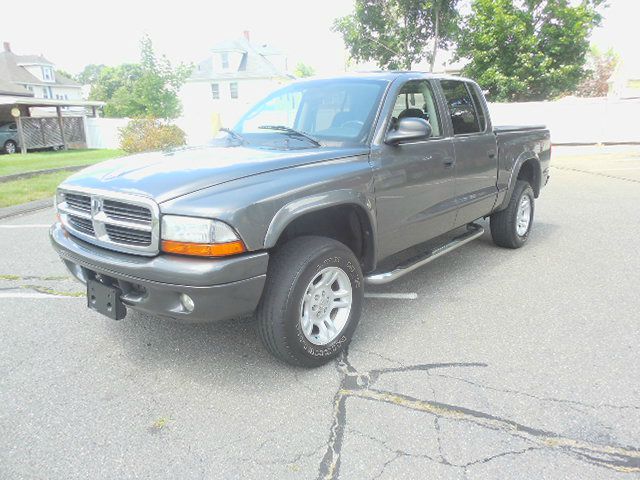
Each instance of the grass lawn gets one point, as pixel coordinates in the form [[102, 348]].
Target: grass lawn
[[17, 163], [28, 189]]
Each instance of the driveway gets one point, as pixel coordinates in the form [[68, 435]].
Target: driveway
[[486, 364]]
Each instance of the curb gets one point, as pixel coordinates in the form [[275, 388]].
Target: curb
[[14, 210], [20, 176]]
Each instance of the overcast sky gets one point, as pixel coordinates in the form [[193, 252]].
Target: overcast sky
[[73, 33]]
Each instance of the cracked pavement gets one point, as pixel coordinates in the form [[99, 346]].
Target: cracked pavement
[[508, 364]]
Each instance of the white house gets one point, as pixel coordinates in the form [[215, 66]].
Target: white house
[[235, 74], [34, 75]]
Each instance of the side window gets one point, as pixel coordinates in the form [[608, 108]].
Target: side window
[[463, 113], [416, 99]]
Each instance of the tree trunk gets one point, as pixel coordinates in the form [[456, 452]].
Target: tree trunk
[[436, 38]]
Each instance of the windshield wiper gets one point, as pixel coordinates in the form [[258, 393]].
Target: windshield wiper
[[233, 133], [291, 131]]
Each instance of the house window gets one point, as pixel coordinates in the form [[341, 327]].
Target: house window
[[46, 92], [47, 74], [233, 87], [215, 91], [225, 60]]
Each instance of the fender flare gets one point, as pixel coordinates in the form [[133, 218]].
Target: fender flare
[[515, 171], [301, 206]]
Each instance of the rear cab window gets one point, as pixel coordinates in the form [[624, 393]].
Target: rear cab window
[[465, 107]]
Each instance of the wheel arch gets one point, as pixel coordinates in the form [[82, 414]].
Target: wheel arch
[[526, 167], [343, 215]]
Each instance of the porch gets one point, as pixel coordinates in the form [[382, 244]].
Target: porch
[[45, 123]]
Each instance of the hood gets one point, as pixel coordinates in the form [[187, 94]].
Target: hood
[[166, 175]]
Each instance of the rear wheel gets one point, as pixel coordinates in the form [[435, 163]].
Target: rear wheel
[[510, 227], [312, 301], [10, 147]]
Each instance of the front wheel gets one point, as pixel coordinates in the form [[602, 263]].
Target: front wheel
[[10, 147], [510, 227], [312, 301]]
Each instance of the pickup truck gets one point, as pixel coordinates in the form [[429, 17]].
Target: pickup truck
[[323, 187]]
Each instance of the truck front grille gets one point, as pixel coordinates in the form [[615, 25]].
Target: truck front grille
[[122, 222], [81, 224], [78, 202], [128, 236], [123, 211]]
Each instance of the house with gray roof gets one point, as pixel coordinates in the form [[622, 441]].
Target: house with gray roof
[[234, 75], [34, 76]]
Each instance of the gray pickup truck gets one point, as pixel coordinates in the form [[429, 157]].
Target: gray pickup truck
[[323, 187]]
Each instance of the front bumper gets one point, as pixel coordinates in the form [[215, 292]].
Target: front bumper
[[220, 288]]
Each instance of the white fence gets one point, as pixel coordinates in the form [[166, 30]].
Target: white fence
[[576, 120], [103, 132], [571, 120]]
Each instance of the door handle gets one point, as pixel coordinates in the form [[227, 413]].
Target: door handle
[[449, 163], [491, 154]]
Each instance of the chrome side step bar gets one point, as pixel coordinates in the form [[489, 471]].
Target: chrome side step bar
[[474, 231]]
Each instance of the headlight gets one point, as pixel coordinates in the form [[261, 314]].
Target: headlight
[[199, 236]]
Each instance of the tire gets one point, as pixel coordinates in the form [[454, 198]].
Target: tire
[[505, 229], [281, 313], [10, 147]]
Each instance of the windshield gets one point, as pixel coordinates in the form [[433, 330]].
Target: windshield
[[329, 111]]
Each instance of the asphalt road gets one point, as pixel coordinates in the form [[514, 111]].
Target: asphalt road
[[492, 364]]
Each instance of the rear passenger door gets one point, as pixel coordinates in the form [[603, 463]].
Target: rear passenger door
[[475, 149]]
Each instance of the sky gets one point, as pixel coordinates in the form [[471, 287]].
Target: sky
[[75, 33]]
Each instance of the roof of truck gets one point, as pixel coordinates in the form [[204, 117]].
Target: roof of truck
[[389, 75]]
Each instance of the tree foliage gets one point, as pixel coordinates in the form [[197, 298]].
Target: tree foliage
[[90, 74], [600, 67], [396, 34], [527, 49], [146, 89], [302, 70]]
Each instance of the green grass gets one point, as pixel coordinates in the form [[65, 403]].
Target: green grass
[[29, 189], [17, 163]]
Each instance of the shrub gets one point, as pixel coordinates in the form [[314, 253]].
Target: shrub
[[148, 134]]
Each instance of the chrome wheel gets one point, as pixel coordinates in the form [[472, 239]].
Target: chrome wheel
[[523, 218], [10, 147], [326, 306]]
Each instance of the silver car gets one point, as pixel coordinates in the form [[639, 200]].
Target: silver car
[[9, 137]]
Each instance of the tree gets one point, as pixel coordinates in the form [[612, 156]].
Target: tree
[[302, 70], [396, 33], [600, 68], [527, 49], [148, 89], [64, 73], [90, 74]]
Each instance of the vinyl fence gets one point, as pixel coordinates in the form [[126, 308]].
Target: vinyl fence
[[571, 120]]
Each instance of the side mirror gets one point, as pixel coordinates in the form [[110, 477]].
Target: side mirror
[[409, 128]]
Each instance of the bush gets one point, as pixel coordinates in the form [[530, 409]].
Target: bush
[[149, 134]]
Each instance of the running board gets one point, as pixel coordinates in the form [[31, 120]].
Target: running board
[[474, 231]]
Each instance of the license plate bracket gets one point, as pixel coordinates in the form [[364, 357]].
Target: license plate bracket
[[105, 299]]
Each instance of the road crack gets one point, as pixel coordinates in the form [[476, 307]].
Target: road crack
[[355, 384]]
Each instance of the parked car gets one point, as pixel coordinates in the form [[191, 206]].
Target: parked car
[[321, 188], [9, 137]]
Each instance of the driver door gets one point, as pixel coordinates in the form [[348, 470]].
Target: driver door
[[414, 181]]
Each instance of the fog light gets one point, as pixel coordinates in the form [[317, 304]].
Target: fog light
[[187, 302]]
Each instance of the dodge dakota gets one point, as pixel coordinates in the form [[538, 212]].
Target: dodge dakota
[[323, 187]]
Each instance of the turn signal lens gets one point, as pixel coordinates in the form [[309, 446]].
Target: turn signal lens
[[203, 249]]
